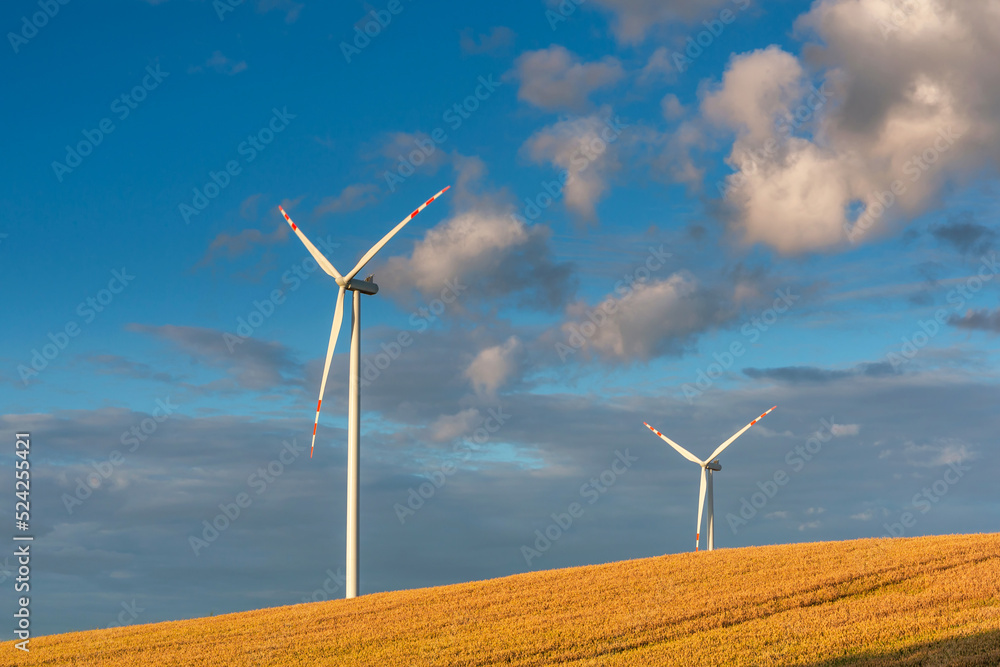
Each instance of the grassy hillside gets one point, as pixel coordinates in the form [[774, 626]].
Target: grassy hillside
[[920, 601]]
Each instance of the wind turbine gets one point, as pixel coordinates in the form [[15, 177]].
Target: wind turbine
[[359, 287], [708, 466]]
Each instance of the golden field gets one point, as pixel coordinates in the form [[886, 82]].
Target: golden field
[[918, 601]]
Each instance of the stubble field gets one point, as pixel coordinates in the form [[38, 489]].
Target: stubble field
[[918, 601]]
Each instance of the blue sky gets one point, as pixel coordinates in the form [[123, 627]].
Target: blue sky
[[664, 169]]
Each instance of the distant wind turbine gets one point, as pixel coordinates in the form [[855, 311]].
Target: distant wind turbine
[[359, 287], [708, 466]]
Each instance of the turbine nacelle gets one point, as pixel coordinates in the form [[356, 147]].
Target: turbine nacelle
[[714, 465], [364, 286]]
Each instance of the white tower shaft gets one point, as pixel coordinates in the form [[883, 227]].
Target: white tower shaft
[[711, 513], [353, 450], [347, 283]]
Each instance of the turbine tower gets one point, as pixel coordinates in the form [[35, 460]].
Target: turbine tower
[[358, 287], [708, 466]]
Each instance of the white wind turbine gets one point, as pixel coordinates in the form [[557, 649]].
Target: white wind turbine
[[359, 287], [708, 466]]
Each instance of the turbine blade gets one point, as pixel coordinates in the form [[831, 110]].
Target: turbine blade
[[680, 450], [323, 262], [385, 239], [738, 434], [338, 318], [701, 507]]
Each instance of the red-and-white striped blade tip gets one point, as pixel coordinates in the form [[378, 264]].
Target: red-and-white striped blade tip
[[427, 203], [319, 404], [762, 416], [652, 429], [287, 219]]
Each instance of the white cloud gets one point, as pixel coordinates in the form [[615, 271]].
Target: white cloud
[[220, 64], [658, 68], [449, 427], [839, 430], [810, 161], [291, 204], [940, 453], [554, 78], [657, 318], [248, 207], [253, 364], [410, 152], [633, 19], [351, 198], [486, 253], [468, 243], [493, 366], [671, 107], [233, 245], [867, 515], [768, 433], [291, 8], [587, 150], [755, 88], [498, 39]]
